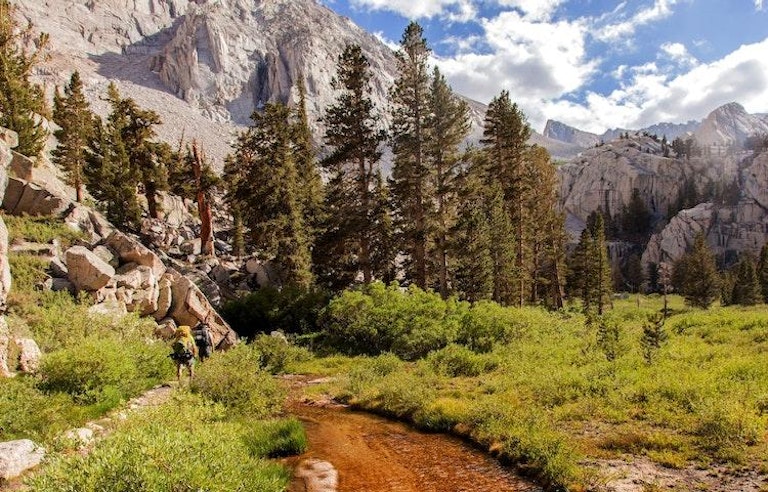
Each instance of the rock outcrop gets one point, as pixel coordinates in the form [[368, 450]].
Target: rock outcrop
[[677, 237], [728, 125], [16, 457]]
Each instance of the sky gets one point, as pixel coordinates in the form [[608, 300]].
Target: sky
[[592, 64]]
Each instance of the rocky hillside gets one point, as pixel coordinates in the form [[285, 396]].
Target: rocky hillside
[[729, 124]]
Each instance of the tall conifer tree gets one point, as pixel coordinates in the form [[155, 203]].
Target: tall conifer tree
[[447, 126], [22, 103], [310, 183], [698, 272], [267, 193], [354, 135], [73, 114], [410, 173]]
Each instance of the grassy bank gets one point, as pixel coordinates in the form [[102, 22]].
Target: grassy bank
[[548, 391]]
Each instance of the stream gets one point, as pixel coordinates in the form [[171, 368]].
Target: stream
[[359, 452]]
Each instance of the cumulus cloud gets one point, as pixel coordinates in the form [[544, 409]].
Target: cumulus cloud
[[534, 60], [458, 10], [534, 9], [626, 28], [652, 97], [759, 4], [678, 53]]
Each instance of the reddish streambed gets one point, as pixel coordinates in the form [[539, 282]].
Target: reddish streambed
[[372, 454]]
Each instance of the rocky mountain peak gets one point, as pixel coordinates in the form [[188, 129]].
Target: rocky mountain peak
[[565, 133], [729, 124]]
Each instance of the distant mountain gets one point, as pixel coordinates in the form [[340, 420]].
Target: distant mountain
[[729, 124], [565, 133]]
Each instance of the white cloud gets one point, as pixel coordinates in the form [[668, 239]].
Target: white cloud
[[457, 10], [759, 4], [614, 32], [534, 9], [650, 97], [678, 53], [534, 60]]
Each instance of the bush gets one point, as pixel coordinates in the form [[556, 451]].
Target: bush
[[41, 230], [235, 380], [101, 368], [85, 371], [182, 445], [26, 412], [378, 319], [276, 354], [276, 438], [457, 360]]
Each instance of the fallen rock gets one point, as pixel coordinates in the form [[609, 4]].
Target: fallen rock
[[22, 197], [29, 355], [16, 457], [166, 329], [164, 296], [57, 268], [131, 250], [86, 270], [318, 475], [107, 255], [90, 222]]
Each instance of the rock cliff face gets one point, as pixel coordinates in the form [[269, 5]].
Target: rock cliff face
[[565, 133], [605, 177], [729, 124]]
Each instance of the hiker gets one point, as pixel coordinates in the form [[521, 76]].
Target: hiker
[[184, 352], [203, 340]]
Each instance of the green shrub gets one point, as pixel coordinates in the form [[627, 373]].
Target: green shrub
[[457, 360], [184, 445], [276, 354], [41, 230], [86, 370], [276, 438], [27, 412], [376, 319], [234, 379], [487, 324]]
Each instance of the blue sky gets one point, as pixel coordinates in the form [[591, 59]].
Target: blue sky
[[593, 64]]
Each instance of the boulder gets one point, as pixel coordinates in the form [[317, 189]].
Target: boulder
[[86, 270], [109, 306], [59, 284], [146, 296], [191, 247], [166, 328], [35, 249], [164, 297], [107, 255], [190, 306], [90, 222], [4, 341], [16, 457], [29, 355], [8, 140], [5, 266], [131, 250], [23, 197], [57, 268]]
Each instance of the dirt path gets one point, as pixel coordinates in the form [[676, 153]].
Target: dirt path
[[353, 451]]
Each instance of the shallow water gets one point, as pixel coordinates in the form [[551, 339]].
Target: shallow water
[[373, 454]]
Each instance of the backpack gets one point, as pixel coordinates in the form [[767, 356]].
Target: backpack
[[181, 351], [203, 341]]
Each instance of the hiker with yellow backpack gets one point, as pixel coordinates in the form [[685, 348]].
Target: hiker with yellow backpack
[[184, 352]]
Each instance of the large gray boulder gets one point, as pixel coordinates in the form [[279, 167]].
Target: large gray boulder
[[86, 270], [190, 306], [16, 457], [29, 355], [23, 197], [131, 250]]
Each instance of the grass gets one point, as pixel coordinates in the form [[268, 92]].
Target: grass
[[40, 230], [548, 397], [186, 444]]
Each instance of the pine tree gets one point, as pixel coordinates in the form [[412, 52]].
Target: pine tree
[[136, 127], [470, 244], [699, 275], [505, 136], [591, 267], [72, 112], [762, 272], [310, 183], [110, 176], [447, 126], [746, 288], [653, 337], [636, 218], [22, 103], [502, 249], [266, 193], [410, 172], [354, 213]]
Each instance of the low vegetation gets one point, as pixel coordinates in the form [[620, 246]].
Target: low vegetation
[[548, 390]]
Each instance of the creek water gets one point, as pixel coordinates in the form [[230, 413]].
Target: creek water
[[373, 454]]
